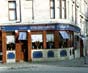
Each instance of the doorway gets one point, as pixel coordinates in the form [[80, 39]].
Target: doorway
[[22, 37], [0, 46], [24, 50], [81, 48]]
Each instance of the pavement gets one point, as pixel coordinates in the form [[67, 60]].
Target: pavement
[[79, 62]]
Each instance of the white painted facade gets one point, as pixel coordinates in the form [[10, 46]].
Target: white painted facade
[[26, 12], [38, 11]]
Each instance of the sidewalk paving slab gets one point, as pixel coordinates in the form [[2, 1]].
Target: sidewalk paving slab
[[79, 62]]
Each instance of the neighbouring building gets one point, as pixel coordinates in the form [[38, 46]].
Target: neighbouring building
[[42, 30]]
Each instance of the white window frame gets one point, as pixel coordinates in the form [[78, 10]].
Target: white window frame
[[37, 37], [12, 10], [50, 37], [52, 9], [63, 9]]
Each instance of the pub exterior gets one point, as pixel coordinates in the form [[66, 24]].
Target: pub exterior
[[39, 42], [42, 30]]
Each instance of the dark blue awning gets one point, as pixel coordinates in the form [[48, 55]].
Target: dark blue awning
[[53, 26], [64, 34]]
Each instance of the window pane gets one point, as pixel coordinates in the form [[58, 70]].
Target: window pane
[[63, 4], [63, 13], [50, 37], [12, 10], [37, 41], [36, 37], [12, 5], [50, 40], [52, 8], [10, 39], [58, 3], [58, 9], [63, 8], [52, 13], [12, 15], [52, 3]]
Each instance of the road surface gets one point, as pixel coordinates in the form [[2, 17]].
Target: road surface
[[45, 69]]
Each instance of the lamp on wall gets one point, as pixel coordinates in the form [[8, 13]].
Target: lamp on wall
[[28, 30], [16, 31]]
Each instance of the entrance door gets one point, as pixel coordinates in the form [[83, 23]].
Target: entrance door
[[0, 46], [24, 50], [23, 43], [81, 48]]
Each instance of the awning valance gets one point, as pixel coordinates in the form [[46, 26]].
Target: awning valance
[[64, 34], [22, 36]]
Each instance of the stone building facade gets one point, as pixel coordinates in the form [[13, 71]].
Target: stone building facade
[[42, 30]]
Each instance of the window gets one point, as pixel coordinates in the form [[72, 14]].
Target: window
[[76, 41], [37, 41], [10, 41], [62, 9], [12, 10], [59, 8], [64, 37], [63, 3], [50, 40], [52, 9], [73, 12]]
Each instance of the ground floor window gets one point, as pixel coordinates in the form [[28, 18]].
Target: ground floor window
[[37, 41], [10, 41], [65, 39], [50, 40], [77, 42]]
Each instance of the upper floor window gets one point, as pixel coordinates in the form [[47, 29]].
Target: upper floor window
[[63, 3], [12, 10], [52, 9], [59, 8]]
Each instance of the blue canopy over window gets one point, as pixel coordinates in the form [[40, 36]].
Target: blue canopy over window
[[64, 34], [22, 36]]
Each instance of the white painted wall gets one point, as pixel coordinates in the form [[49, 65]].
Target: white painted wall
[[26, 10], [3, 11], [41, 8], [56, 54], [42, 12], [10, 60]]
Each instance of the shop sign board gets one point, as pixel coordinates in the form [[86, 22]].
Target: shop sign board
[[56, 26]]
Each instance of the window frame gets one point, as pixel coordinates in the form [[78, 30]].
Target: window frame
[[63, 9], [52, 9], [12, 9], [50, 42], [34, 43]]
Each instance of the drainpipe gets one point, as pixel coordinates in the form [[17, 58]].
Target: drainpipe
[[20, 10], [33, 9]]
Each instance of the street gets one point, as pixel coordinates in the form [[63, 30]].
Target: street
[[46, 69], [67, 66]]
